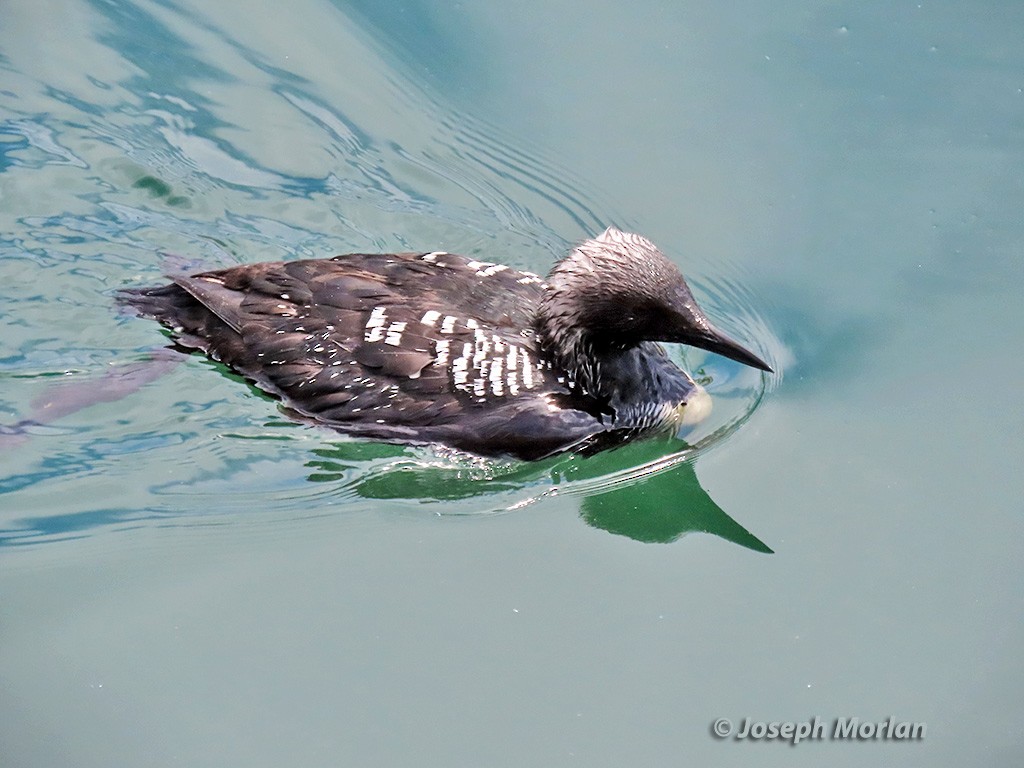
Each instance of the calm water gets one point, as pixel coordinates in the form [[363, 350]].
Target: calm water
[[188, 578]]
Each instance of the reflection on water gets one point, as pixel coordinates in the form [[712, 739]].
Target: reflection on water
[[646, 490], [663, 508]]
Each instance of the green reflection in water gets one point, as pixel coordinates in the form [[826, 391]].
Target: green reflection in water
[[664, 507], [658, 499], [641, 490]]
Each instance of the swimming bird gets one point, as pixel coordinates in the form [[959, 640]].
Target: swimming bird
[[441, 348]]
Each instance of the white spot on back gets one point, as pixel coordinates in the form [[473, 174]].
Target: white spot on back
[[441, 352], [497, 383], [375, 324], [482, 344], [459, 372], [527, 371], [430, 317], [511, 361], [395, 330]]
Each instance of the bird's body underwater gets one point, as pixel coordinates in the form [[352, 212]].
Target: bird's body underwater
[[440, 348]]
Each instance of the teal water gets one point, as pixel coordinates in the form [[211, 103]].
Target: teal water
[[189, 578]]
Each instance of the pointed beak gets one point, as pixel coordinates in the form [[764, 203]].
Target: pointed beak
[[706, 336], [691, 326]]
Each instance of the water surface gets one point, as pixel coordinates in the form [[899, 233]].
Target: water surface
[[190, 578]]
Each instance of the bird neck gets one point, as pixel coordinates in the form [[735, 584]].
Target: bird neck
[[588, 363]]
